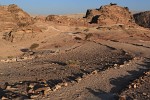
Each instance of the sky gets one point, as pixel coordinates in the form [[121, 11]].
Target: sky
[[46, 7]]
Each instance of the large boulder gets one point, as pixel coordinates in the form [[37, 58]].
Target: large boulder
[[143, 19], [110, 14]]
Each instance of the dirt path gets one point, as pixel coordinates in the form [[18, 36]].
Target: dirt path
[[107, 84], [104, 85]]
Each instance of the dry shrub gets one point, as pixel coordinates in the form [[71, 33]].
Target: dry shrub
[[34, 46]]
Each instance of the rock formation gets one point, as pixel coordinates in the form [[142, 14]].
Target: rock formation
[[64, 20], [143, 19], [110, 14], [12, 16], [16, 23]]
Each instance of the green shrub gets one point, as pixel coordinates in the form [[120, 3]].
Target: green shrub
[[34, 46], [73, 63], [89, 35]]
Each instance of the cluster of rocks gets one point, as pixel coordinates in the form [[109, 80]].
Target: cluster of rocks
[[35, 89], [110, 14], [17, 59], [22, 33], [42, 88], [132, 92], [28, 89]]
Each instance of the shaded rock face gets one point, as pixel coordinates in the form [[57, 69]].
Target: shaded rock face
[[64, 20], [91, 13], [110, 14], [143, 19], [12, 16]]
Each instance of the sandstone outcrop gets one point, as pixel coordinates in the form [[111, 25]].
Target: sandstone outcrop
[[110, 14]]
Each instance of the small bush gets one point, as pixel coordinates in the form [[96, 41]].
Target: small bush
[[77, 38], [73, 63], [86, 30], [34, 46], [89, 35]]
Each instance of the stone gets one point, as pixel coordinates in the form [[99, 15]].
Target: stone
[[78, 79], [31, 91], [31, 85], [65, 84], [129, 86], [134, 86], [144, 94], [47, 91], [57, 87], [11, 88], [13, 59], [42, 89], [121, 66], [122, 97], [94, 72], [4, 98], [34, 96], [3, 85], [115, 65]]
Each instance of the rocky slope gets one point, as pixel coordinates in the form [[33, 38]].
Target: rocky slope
[[143, 19]]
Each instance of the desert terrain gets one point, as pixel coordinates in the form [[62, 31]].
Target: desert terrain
[[103, 54]]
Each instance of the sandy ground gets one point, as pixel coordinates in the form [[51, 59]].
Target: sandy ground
[[67, 53]]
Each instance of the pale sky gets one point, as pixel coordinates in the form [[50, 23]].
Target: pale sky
[[73, 6]]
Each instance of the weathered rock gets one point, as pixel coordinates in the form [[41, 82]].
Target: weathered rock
[[122, 97], [78, 79], [42, 89], [94, 72]]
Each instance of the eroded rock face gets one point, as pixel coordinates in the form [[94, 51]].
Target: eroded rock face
[[110, 14], [143, 19]]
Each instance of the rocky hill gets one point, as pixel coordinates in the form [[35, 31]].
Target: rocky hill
[[110, 14], [12, 16], [143, 19], [16, 23]]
